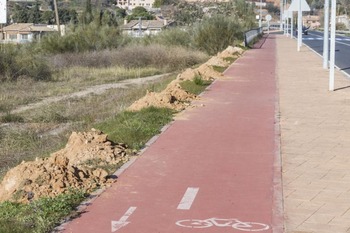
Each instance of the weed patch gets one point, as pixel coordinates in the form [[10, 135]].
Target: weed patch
[[40, 215], [136, 128], [220, 69], [196, 86]]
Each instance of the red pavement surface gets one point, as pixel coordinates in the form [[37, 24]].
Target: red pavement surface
[[226, 148]]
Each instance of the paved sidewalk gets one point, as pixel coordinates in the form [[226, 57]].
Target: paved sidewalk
[[315, 127]]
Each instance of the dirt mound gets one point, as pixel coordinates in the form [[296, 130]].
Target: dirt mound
[[188, 74], [208, 73], [234, 50], [217, 61], [231, 52], [173, 97], [72, 167]]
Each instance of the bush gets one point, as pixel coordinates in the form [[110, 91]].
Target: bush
[[90, 37], [214, 34], [173, 36], [133, 56], [18, 62]]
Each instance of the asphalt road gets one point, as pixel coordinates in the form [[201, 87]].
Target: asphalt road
[[342, 48]]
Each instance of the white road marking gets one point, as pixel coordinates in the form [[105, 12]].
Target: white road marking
[[188, 198], [116, 225]]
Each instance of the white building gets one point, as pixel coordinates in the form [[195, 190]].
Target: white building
[[140, 28], [26, 32], [131, 4]]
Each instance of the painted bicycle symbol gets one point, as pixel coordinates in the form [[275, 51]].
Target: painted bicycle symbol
[[218, 222]]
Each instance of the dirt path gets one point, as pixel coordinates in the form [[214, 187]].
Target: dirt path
[[97, 89]]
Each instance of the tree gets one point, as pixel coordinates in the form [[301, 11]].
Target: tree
[[158, 3], [20, 14], [188, 13], [138, 12], [47, 17], [120, 13], [87, 16], [271, 8], [345, 5], [34, 14]]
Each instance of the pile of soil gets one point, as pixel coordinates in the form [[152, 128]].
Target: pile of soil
[[72, 167], [231, 51], [174, 96]]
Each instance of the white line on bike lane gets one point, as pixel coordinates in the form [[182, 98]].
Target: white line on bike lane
[[188, 198], [116, 225]]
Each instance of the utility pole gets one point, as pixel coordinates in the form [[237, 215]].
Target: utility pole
[[57, 17]]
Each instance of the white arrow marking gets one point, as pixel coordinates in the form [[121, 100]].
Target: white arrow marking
[[116, 225], [188, 198]]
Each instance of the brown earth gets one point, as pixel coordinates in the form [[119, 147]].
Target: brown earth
[[174, 96], [80, 164], [72, 167]]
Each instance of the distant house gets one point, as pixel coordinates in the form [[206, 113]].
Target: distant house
[[140, 28], [26, 32]]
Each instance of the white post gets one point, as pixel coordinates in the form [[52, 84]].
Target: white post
[[291, 24], [260, 15], [332, 52], [287, 20], [300, 30], [285, 17], [281, 14], [326, 35]]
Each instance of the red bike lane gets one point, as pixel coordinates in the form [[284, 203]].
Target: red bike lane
[[215, 169]]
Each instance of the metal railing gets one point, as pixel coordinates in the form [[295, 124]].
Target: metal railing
[[250, 35]]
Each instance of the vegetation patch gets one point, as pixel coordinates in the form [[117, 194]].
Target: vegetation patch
[[136, 128], [195, 86], [39, 216], [230, 59], [8, 117], [220, 69]]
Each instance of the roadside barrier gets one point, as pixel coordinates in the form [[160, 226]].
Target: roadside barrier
[[250, 35]]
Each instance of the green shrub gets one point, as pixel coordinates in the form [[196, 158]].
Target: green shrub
[[16, 62], [90, 37], [173, 37], [214, 34]]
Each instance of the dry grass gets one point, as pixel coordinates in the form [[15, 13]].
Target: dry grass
[[25, 91], [165, 58], [46, 129]]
